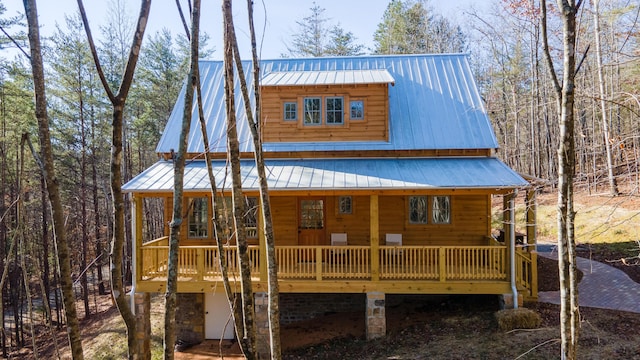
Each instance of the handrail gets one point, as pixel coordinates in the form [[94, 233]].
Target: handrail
[[436, 263]]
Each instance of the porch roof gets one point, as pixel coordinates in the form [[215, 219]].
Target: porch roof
[[339, 174]]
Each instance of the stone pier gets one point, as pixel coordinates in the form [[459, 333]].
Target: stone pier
[[376, 321], [142, 303], [261, 308]]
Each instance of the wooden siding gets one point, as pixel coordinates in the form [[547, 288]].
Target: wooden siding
[[374, 127], [468, 227], [470, 222]]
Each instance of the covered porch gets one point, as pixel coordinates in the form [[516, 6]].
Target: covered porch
[[443, 222]]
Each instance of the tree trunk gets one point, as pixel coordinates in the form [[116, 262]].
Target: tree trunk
[[73, 327], [569, 311], [118, 101], [233, 151], [178, 186], [613, 186]]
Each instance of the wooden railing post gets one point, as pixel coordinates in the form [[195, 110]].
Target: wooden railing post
[[200, 263], [318, 250], [374, 215], [442, 263], [262, 248]]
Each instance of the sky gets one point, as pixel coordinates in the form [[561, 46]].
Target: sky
[[275, 20]]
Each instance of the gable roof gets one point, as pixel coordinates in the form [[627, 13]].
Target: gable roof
[[434, 105]]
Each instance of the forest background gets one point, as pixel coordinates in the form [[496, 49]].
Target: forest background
[[503, 39]]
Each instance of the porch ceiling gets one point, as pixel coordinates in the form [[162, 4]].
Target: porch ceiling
[[339, 174]]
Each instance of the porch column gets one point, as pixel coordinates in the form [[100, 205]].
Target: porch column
[[374, 220], [507, 220], [142, 312], [376, 321], [262, 244], [532, 240], [531, 205]]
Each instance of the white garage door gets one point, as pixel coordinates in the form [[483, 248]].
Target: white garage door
[[218, 323]]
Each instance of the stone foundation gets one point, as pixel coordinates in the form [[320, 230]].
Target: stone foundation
[[295, 307], [376, 321], [506, 301], [190, 322]]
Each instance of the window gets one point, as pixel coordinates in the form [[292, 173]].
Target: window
[[251, 217], [224, 207], [198, 217], [345, 205], [290, 111], [418, 209], [334, 110], [441, 210], [312, 111], [311, 214], [357, 110]]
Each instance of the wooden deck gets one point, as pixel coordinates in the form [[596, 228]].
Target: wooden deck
[[404, 269]]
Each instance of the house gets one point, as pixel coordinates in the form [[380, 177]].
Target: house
[[381, 172]]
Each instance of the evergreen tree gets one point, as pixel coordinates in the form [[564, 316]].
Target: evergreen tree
[[315, 38], [409, 27]]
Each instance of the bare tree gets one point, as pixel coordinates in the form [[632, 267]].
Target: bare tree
[[178, 187], [613, 186], [233, 153], [565, 90], [118, 100], [73, 326]]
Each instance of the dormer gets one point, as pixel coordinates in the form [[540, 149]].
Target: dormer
[[326, 106]]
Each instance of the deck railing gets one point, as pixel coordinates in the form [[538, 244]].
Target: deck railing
[[437, 263], [525, 275]]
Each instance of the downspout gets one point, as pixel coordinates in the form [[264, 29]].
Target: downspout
[[134, 267], [512, 243]]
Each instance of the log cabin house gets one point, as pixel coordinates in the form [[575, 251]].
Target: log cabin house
[[381, 173]]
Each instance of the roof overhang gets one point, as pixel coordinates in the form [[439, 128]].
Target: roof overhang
[[285, 175], [335, 77]]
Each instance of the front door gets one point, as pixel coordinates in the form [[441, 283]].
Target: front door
[[311, 222]]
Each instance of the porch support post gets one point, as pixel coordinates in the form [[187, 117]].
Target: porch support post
[[531, 216], [374, 219], [512, 246], [376, 321], [262, 245], [142, 311], [532, 240]]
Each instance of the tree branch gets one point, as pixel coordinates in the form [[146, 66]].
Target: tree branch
[[15, 43], [184, 22], [94, 52], [545, 48]]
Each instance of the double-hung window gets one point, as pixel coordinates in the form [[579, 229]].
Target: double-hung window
[[334, 106], [199, 218], [312, 111]]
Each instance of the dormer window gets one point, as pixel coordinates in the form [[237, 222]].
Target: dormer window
[[334, 108], [357, 110], [312, 111], [291, 111]]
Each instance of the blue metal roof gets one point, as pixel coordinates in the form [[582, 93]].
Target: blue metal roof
[[339, 174], [334, 77], [434, 104]]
